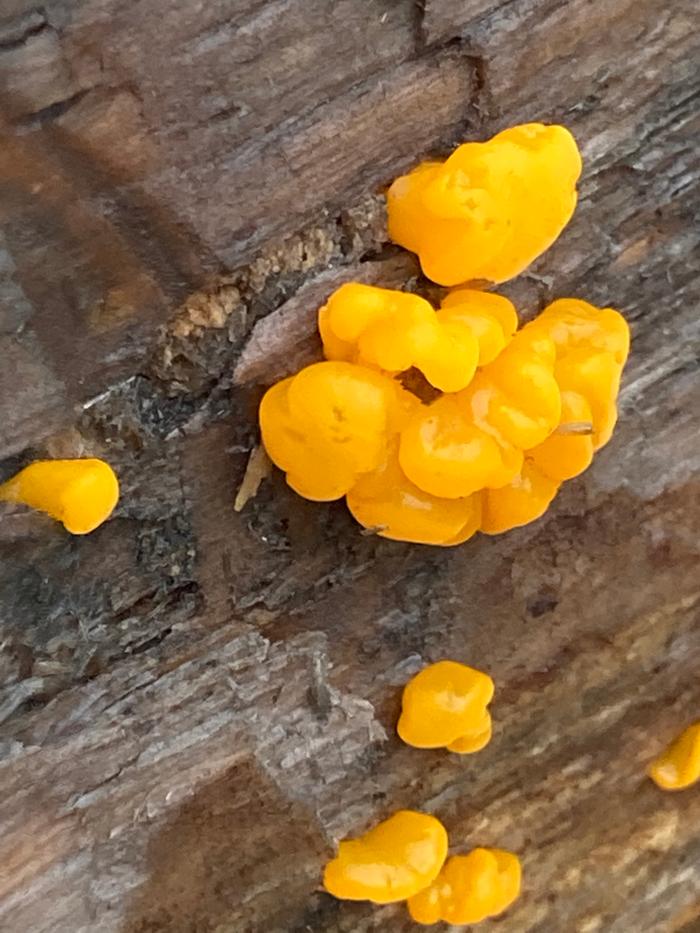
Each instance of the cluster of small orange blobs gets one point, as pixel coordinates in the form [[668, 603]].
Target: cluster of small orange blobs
[[517, 413], [403, 859]]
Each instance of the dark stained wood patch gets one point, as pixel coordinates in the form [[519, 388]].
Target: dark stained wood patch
[[195, 704]]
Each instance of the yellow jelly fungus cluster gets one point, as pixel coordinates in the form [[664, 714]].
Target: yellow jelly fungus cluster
[[470, 888], [403, 859], [395, 331], [679, 765], [520, 411], [445, 706], [491, 208], [392, 862], [79, 493]]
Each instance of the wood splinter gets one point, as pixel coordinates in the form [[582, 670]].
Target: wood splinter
[[575, 427]]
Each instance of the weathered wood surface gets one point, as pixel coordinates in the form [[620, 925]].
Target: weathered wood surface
[[196, 703]]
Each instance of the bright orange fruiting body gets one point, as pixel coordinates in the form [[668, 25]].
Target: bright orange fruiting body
[[528, 410], [391, 862], [387, 501], [523, 500], [447, 454], [592, 345], [394, 331], [81, 494], [475, 439], [491, 318], [470, 888], [328, 425], [491, 208], [445, 706], [679, 765], [566, 453]]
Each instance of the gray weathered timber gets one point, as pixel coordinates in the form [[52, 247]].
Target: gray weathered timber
[[195, 704]]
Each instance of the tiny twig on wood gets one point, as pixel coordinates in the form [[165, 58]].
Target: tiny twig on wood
[[575, 428]]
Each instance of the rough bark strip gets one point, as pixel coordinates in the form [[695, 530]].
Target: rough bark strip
[[448, 19], [194, 701]]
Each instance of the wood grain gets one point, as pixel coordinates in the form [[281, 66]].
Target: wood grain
[[196, 703]]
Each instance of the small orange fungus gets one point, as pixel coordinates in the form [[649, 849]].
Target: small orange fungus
[[394, 331], [679, 765], [328, 425], [470, 888], [491, 208], [79, 493], [391, 862], [445, 706]]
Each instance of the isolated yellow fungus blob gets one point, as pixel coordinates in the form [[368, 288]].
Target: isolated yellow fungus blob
[[679, 765], [391, 862], [445, 706], [491, 208], [470, 888], [81, 494]]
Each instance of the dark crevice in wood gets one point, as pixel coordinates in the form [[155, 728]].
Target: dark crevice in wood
[[418, 25], [31, 121], [36, 26]]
